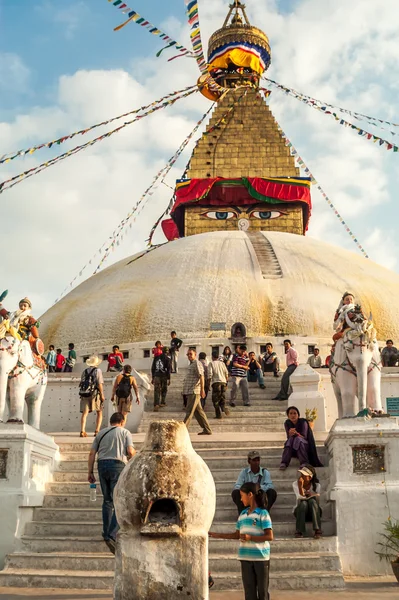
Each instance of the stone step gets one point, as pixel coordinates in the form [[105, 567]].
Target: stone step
[[104, 561], [257, 404], [90, 545], [100, 560], [56, 579], [222, 486], [323, 561], [232, 468], [271, 461], [282, 529], [226, 425], [244, 416], [87, 511], [198, 444], [223, 518], [288, 580]]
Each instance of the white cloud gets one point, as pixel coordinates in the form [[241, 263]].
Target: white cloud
[[341, 52], [14, 74]]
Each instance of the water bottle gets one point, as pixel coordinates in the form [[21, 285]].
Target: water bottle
[[93, 492]]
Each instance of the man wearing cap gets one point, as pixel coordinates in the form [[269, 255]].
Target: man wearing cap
[[91, 392], [254, 473]]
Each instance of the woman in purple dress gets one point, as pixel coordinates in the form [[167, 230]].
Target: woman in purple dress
[[300, 441]]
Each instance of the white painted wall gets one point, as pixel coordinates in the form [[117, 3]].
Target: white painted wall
[[61, 406], [363, 501], [31, 456]]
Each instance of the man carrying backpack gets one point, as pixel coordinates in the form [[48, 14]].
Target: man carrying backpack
[[160, 371], [91, 392], [122, 390]]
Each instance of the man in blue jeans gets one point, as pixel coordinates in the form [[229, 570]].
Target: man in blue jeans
[[113, 445]]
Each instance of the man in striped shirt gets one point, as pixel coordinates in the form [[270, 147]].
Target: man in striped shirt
[[239, 379]]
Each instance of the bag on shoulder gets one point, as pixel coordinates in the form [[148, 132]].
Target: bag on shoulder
[[88, 383], [124, 387]]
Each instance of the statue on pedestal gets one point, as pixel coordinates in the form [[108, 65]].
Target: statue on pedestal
[[355, 366], [23, 375]]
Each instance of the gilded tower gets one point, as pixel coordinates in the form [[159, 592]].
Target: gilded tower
[[241, 174]]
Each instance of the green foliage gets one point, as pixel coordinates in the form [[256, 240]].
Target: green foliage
[[389, 546]]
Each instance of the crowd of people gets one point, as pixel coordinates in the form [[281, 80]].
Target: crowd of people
[[58, 363]]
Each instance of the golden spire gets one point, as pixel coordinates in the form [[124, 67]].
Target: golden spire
[[237, 19]]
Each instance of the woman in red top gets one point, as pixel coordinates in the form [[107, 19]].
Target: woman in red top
[[157, 349]]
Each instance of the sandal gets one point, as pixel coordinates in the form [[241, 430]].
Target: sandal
[[317, 534], [95, 433], [83, 434], [298, 534]]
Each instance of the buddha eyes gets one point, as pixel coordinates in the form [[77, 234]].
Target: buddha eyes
[[266, 214], [220, 215], [229, 214]]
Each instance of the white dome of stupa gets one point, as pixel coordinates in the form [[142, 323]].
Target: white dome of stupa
[[280, 283]]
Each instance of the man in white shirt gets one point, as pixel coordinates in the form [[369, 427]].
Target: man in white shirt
[[218, 375], [315, 360]]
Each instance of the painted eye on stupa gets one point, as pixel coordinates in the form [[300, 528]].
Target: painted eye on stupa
[[266, 214], [220, 215]]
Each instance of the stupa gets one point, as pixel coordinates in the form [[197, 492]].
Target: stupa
[[238, 252]]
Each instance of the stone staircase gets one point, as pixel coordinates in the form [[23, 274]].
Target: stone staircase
[[62, 547], [268, 261], [263, 414]]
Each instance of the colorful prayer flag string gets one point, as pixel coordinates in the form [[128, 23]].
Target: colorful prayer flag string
[[195, 34], [362, 132], [303, 165], [134, 16], [38, 169], [357, 115], [12, 155]]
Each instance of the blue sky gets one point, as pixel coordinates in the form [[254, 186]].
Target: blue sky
[[62, 67]]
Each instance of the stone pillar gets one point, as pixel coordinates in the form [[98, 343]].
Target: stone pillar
[[364, 484], [306, 386], [165, 502], [27, 458]]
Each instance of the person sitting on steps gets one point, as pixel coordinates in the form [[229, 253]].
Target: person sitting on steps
[[254, 474], [255, 373], [307, 493], [270, 361], [300, 441]]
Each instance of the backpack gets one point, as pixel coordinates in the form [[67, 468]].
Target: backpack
[[88, 385], [124, 387]]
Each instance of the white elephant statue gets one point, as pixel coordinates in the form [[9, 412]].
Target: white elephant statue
[[20, 380], [356, 368]]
